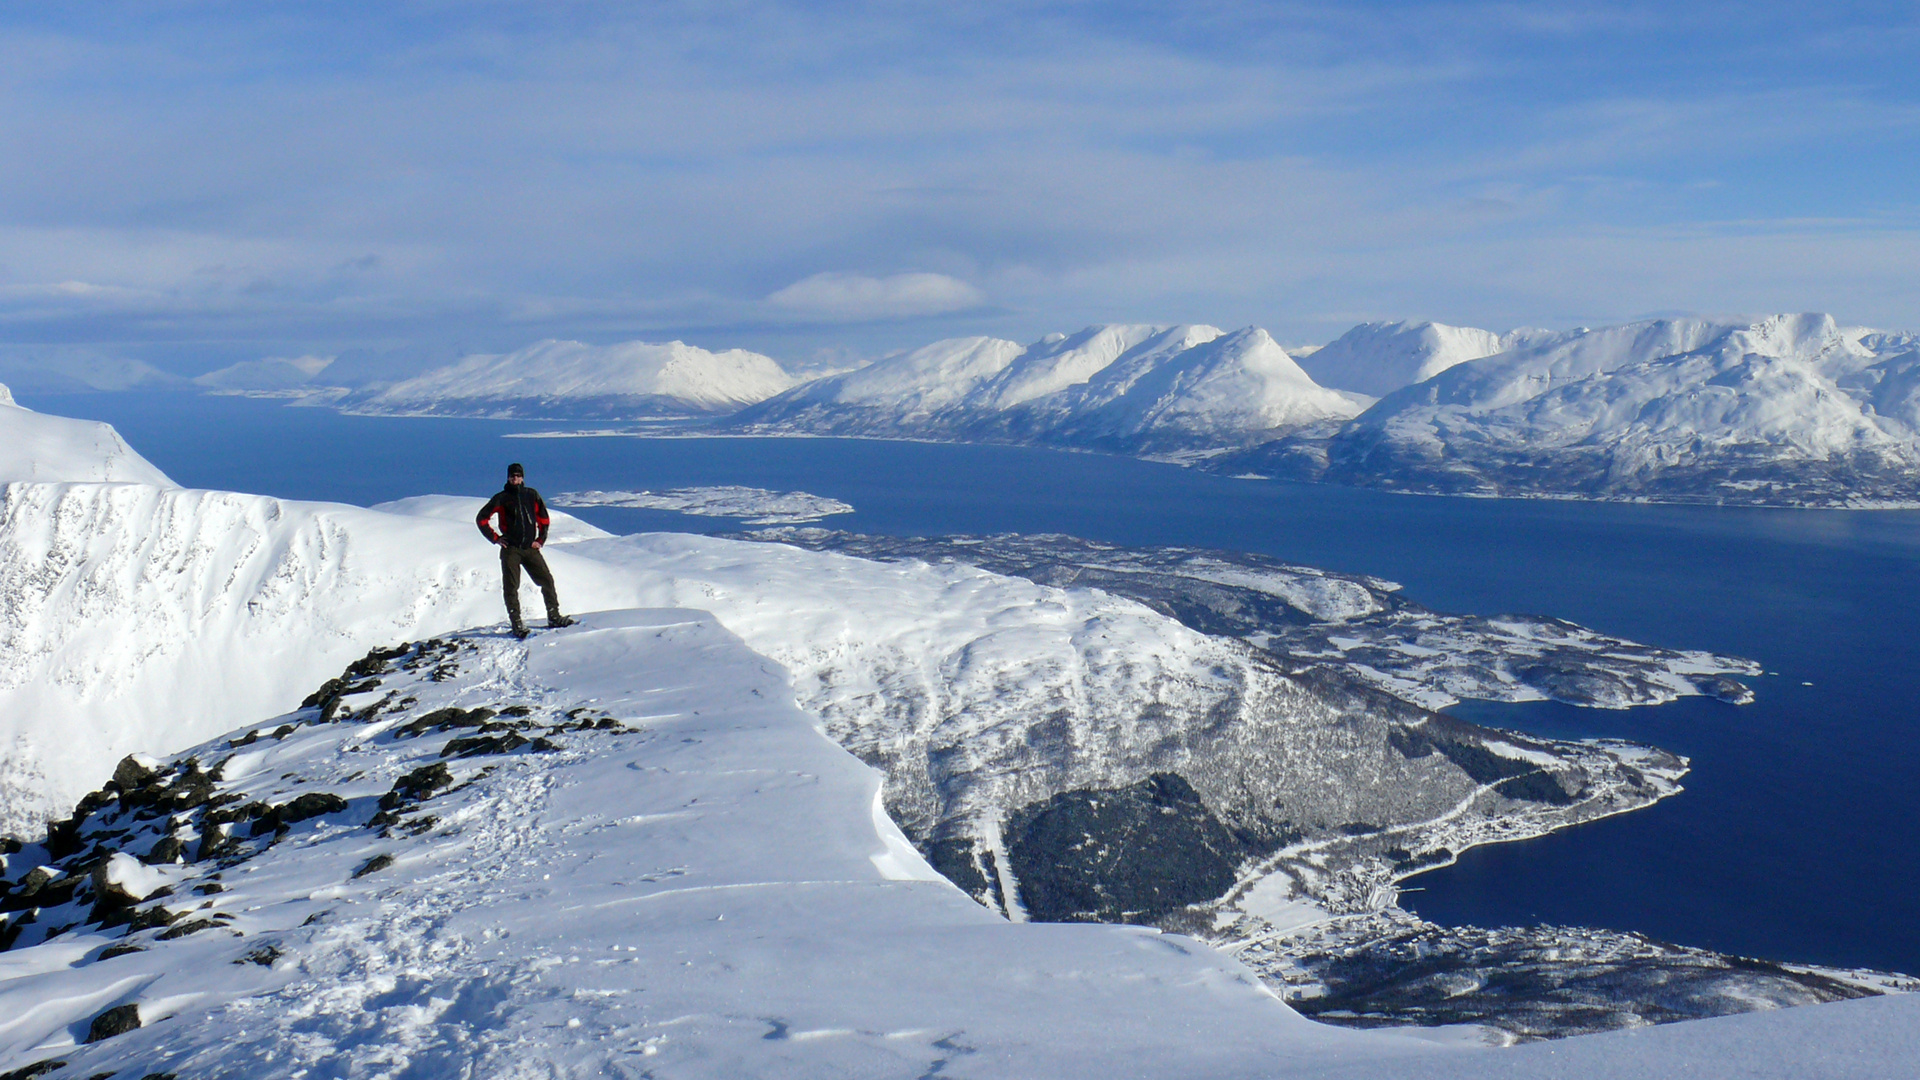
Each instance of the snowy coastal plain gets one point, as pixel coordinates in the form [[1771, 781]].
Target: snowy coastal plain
[[767, 810], [754, 506]]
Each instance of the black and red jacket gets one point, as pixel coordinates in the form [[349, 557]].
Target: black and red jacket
[[523, 517]]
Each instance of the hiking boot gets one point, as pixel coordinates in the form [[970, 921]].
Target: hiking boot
[[555, 622], [519, 630]]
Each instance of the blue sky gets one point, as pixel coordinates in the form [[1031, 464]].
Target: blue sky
[[194, 184]]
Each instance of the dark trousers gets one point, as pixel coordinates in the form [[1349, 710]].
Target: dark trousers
[[511, 561]]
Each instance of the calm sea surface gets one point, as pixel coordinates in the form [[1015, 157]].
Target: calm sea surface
[[1798, 837]]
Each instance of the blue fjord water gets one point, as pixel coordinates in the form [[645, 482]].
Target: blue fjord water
[[1798, 837]]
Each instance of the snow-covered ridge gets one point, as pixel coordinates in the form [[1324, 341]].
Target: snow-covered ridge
[[1784, 410], [564, 379], [1381, 357], [1132, 386], [616, 850], [620, 847], [35, 447], [1791, 409], [754, 506]]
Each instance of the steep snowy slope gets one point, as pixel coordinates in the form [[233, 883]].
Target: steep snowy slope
[[144, 618], [1792, 409], [38, 447], [1380, 357], [615, 850], [1123, 386], [618, 850], [572, 379]]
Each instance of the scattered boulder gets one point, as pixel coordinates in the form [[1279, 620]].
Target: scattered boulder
[[115, 1021], [38, 1068], [168, 849], [477, 745], [131, 774], [264, 955], [374, 865], [417, 785], [150, 918], [120, 949], [313, 804], [443, 720], [186, 928]]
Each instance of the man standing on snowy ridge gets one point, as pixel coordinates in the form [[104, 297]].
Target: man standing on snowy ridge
[[523, 532]]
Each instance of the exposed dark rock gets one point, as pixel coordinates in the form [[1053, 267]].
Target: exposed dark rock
[[119, 949], [327, 692], [130, 774], [311, 804], [167, 849], [418, 785], [264, 955], [443, 720], [150, 918], [38, 1068], [1120, 855], [186, 928], [112, 905], [63, 838], [478, 745], [115, 1021], [374, 865]]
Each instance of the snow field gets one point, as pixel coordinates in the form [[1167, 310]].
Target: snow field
[[699, 891]]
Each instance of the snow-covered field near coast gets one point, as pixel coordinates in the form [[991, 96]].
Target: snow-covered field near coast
[[702, 883]]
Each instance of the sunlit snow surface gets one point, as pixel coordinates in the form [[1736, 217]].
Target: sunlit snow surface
[[755, 506], [38, 447], [695, 883], [683, 878]]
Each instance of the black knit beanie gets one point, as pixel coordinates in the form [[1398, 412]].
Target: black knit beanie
[[515, 470]]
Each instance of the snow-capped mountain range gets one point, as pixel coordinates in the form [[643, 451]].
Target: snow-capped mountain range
[[1783, 410], [1792, 409], [634, 846], [1135, 387]]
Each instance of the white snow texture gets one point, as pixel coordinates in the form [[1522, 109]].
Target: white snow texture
[[712, 892]]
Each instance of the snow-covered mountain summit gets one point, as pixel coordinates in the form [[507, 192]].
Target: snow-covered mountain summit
[[573, 379], [1791, 408], [1133, 386], [1378, 358]]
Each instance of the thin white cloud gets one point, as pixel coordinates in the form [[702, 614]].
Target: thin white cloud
[[839, 297]]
